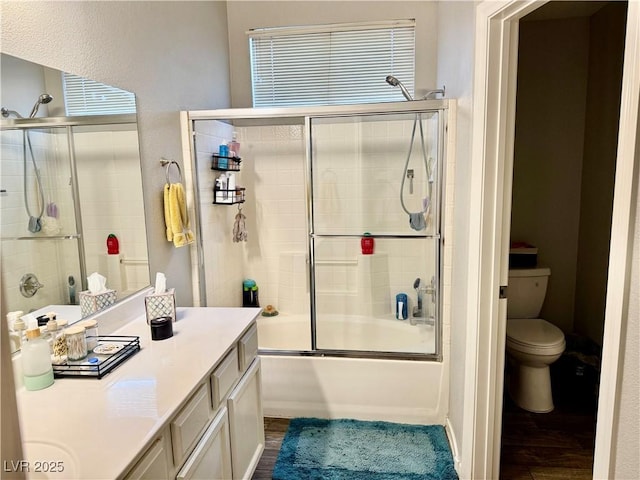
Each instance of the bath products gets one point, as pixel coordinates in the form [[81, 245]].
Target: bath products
[[234, 146], [401, 306], [113, 247], [223, 161], [366, 244], [37, 371], [250, 293]]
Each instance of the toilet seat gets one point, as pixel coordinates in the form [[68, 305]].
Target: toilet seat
[[534, 335]]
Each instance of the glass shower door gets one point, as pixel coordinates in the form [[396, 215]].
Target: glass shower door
[[376, 177]]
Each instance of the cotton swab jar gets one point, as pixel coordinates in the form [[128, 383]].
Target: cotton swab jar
[[76, 343]]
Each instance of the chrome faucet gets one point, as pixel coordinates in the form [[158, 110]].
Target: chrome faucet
[[418, 311]]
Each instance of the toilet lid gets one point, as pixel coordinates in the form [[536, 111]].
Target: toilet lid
[[534, 331]]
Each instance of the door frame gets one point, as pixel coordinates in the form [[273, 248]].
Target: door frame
[[496, 44]]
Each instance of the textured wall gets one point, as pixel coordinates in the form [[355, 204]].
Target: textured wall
[[173, 55], [246, 15]]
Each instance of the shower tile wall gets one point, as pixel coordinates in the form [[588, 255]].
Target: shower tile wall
[[223, 259], [273, 171], [18, 256], [116, 156]]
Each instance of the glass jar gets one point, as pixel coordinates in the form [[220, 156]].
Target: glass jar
[[91, 333], [76, 343]]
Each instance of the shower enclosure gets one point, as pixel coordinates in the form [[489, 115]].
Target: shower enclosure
[[317, 181], [62, 180]]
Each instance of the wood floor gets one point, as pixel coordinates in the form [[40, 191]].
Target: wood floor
[[274, 431], [551, 446]]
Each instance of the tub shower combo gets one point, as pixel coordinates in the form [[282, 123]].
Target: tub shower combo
[[317, 180]]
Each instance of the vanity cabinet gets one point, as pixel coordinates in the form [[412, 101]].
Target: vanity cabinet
[[212, 456], [219, 431], [155, 463], [246, 423]]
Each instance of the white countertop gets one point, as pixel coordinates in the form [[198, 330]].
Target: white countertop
[[98, 427]]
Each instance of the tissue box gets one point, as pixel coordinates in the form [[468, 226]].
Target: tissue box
[[91, 303], [161, 305]]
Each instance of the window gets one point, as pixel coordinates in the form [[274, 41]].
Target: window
[[331, 64], [87, 97]]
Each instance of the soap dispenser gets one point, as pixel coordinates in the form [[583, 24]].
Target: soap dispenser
[[37, 371]]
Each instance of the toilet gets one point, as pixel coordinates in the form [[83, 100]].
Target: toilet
[[532, 343]]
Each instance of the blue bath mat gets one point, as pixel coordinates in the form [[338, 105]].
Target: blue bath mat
[[321, 449]]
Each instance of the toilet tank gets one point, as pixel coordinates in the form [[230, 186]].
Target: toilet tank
[[527, 289]]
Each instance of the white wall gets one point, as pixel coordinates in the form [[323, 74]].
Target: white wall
[[553, 66], [173, 55], [243, 16], [456, 22]]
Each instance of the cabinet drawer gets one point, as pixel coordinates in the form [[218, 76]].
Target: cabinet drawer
[[248, 347], [189, 424], [224, 377]]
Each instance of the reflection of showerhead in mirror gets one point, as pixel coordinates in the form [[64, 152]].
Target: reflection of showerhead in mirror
[[42, 99]]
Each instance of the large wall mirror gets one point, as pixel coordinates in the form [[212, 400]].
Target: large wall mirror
[[67, 183]]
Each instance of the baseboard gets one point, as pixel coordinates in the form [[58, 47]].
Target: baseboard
[[453, 443]]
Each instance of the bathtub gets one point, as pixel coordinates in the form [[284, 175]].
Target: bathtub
[[346, 332], [407, 391]]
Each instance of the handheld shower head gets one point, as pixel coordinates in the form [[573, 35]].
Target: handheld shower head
[[42, 99], [394, 82]]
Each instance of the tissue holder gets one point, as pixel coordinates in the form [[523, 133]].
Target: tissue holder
[[161, 305], [94, 302]]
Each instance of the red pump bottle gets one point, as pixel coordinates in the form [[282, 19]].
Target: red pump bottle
[[113, 247]]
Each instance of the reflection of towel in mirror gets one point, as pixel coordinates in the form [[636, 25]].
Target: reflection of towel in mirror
[[175, 215], [239, 228]]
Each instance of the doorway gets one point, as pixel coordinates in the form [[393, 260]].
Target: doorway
[[567, 115], [493, 121]]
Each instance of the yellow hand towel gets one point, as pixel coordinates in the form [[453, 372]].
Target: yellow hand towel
[[176, 218], [167, 213]]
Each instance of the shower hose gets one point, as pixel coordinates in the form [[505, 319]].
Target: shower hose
[[428, 168]]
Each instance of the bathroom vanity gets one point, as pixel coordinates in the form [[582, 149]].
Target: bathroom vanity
[[190, 405]]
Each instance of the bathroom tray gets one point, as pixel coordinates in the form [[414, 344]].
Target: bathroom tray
[[123, 347]]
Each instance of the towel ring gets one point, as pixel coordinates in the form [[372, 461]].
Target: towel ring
[[168, 164]]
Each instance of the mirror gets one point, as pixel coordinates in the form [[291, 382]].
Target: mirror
[[66, 184]]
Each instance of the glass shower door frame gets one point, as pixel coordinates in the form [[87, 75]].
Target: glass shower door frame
[[436, 236]]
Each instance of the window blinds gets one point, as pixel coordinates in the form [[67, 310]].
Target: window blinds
[[331, 64], [87, 97]]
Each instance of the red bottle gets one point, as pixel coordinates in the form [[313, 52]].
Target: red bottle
[[113, 247], [366, 243]]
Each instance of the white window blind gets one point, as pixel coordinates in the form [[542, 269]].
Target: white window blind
[[87, 97], [331, 64]]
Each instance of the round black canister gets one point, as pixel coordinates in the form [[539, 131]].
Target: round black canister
[[161, 328]]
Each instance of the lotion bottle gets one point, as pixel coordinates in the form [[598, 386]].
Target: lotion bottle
[[37, 371]]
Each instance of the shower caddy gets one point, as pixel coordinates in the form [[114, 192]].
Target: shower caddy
[[223, 163]]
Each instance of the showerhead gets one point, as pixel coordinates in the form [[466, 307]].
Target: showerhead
[[394, 82], [42, 99]]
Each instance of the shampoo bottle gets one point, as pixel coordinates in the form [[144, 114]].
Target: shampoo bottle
[[234, 146], [37, 371]]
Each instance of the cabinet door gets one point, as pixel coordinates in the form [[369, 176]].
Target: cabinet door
[[154, 463], [246, 424], [212, 456]]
